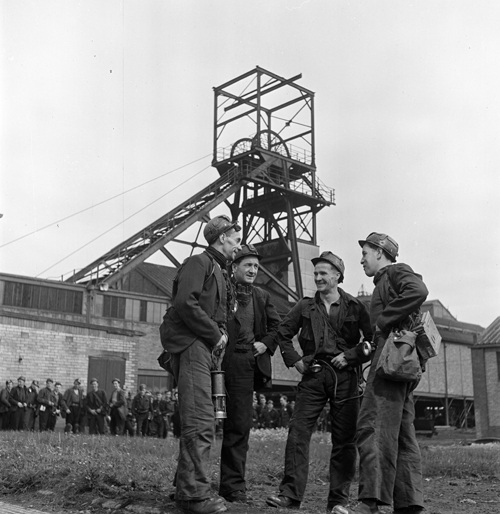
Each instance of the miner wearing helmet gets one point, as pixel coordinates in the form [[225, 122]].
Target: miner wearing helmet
[[390, 463], [247, 366], [194, 331], [329, 328]]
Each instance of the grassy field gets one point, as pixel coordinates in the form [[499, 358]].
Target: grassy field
[[75, 469]]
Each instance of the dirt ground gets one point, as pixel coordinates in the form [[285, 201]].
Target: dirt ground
[[443, 495]]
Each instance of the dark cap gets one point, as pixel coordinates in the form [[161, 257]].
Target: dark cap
[[383, 241], [217, 226], [35, 383], [116, 380], [94, 380], [7, 382], [142, 387], [58, 384], [22, 378], [77, 381], [246, 251], [334, 260], [49, 380]]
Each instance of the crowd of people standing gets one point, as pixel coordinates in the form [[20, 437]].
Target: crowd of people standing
[[33, 408]]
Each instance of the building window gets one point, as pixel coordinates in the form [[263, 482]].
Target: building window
[[31, 296], [154, 383], [114, 307]]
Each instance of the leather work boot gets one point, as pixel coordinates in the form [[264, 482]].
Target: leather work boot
[[282, 502], [208, 506], [362, 508], [236, 497]]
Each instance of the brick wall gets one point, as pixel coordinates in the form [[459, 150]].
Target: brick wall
[[42, 350]]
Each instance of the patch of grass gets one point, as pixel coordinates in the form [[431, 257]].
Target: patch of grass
[[70, 465], [133, 468], [478, 460]]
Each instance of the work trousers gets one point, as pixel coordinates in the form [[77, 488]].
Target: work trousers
[[17, 419], [44, 418], [157, 427], [52, 422], [192, 373], [239, 380], [117, 423], [29, 419], [73, 419], [340, 388], [5, 420], [142, 421], [96, 424], [390, 468]]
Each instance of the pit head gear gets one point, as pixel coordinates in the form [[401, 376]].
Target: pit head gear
[[384, 242]]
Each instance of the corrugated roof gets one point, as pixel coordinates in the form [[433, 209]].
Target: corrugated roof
[[161, 276], [492, 334], [455, 325]]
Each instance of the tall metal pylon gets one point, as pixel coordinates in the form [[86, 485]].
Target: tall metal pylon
[[261, 117], [264, 151]]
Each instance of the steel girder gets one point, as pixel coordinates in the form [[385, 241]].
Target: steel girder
[[121, 259]]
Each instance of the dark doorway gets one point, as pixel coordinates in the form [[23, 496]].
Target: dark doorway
[[105, 369]]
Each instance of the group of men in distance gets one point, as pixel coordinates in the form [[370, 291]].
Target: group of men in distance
[[219, 314], [265, 415], [145, 414]]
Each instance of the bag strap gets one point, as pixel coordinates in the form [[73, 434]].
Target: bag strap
[[413, 319]]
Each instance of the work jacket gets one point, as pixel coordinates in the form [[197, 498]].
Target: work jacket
[[266, 322], [19, 394], [141, 405], [306, 317], [199, 308], [47, 398], [96, 400], [4, 401], [399, 292]]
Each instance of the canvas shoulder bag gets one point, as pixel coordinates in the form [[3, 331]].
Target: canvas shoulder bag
[[398, 359]]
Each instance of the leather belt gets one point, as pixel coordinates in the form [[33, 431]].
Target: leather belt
[[324, 357]]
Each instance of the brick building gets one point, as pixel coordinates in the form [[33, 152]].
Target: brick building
[[64, 331]]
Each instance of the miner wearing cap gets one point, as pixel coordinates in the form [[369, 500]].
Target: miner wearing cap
[[193, 331], [18, 401], [330, 328], [390, 462], [31, 409], [142, 410], [118, 409], [46, 400], [96, 405], [247, 366], [5, 405], [72, 402], [59, 407]]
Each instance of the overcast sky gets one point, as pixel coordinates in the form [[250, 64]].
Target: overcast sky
[[100, 96]]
